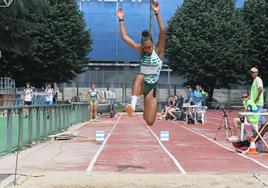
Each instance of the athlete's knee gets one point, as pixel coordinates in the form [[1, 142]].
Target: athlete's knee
[[149, 122]]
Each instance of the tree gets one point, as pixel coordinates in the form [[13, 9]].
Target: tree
[[64, 45], [17, 28], [60, 48], [256, 15], [207, 43]]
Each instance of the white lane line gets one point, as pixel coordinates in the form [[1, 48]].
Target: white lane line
[[93, 161], [240, 154], [176, 162]]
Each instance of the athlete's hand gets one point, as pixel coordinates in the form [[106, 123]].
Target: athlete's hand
[[120, 13], [155, 6]]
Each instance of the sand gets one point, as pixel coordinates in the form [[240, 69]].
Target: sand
[[80, 180]]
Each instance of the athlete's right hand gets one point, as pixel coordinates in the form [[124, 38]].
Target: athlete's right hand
[[120, 13]]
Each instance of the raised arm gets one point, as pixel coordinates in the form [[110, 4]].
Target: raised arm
[[160, 47], [120, 13]]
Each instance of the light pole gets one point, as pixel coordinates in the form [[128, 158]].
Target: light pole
[[116, 38], [168, 81], [151, 17]]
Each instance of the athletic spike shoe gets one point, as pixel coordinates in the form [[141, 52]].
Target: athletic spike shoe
[[129, 110]]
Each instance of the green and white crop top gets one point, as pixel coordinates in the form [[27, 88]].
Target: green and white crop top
[[150, 67]]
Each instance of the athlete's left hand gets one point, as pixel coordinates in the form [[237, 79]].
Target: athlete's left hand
[[155, 6]]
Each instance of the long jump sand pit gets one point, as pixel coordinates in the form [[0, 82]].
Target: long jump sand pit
[[78, 180]]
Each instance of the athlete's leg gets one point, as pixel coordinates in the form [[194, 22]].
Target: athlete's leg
[[138, 85], [91, 110], [150, 107], [137, 90], [95, 110]]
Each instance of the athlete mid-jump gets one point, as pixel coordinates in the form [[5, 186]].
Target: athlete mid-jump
[[150, 66]]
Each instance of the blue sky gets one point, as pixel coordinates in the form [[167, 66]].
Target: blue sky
[[239, 3]]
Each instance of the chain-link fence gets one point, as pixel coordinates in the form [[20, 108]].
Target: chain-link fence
[[227, 97]]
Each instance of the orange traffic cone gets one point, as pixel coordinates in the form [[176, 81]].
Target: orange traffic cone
[[252, 149]]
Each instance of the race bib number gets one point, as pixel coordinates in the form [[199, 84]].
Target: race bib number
[[149, 70]]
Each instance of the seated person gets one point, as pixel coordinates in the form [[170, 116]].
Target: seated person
[[168, 109], [174, 107], [199, 97], [164, 106], [249, 106]]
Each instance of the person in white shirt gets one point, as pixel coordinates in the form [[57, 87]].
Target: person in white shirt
[[49, 93], [28, 94], [27, 97]]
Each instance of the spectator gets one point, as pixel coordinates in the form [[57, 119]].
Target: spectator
[[199, 100], [204, 94], [49, 94], [256, 92], [249, 106], [172, 106], [198, 97], [167, 107], [189, 95], [27, 96]]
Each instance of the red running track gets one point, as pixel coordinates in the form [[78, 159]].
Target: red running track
[[133, 148]]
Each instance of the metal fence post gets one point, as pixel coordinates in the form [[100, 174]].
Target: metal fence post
[[68, 116], [59, 118], [9, 130], [30, 125], [64, 117], [81, 113], [44, 122], [21, 126], [72, 114], [86, 112], [50, 109], [37, 124], [56, 119]]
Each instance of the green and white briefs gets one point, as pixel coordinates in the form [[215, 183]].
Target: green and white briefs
[[93, 96], [150, 67]]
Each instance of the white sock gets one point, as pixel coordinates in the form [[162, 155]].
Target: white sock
[[134, 102]]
